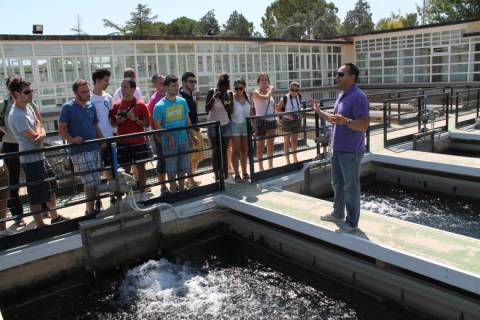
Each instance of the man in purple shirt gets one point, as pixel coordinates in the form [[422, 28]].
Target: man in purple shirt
[[350, 122]]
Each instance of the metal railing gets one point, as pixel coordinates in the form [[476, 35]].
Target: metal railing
[[70, 190], [467, 103], [409, 115], [272, 138]]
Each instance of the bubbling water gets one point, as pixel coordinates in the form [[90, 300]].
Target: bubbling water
[[442, 212]]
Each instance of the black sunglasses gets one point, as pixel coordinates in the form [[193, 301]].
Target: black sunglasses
[[295, 90], [340, 74], [28, 91], [239, 88]]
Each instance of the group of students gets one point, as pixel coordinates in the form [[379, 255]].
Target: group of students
[[94, 113], [233, 109]]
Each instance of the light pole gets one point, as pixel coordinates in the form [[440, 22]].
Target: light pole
[[296, 24]]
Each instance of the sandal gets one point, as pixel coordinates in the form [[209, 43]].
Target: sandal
[[246, 177]]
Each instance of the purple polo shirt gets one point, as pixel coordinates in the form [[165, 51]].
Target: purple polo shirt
[[352, 104]]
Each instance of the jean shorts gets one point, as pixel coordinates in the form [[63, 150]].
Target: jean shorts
[[226, 130], [239, 129]]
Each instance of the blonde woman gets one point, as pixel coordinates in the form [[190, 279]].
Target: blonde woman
[[291, 123], [264, 127]]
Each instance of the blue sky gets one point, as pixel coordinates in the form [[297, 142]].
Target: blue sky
[[58, 17]]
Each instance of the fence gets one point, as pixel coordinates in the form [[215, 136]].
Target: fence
[[70, 191], [410, 116], [270, 132], [467, 103]]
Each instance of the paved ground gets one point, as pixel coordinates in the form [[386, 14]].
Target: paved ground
[[432, 244]]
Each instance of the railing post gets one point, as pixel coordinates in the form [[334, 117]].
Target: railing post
[[478, 102], [304, 123], [251, 149], [317, 132], [447, 99], [323, 123], [385, 124], [219, 155], [419, 111], [113, 153], [456, 110], [367, 133]]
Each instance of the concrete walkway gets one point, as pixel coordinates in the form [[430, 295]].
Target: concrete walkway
[[437, 254]]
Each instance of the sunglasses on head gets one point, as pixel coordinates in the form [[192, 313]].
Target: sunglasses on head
[[340, 74], [239, 88], [294, 90], [27, 91]]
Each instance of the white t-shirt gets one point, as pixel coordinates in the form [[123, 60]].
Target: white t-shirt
[[103, 104], [119, 96], [240, 111], [264, 107]]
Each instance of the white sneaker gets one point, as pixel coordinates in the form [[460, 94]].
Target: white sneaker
[[230, 180], [6, 233]]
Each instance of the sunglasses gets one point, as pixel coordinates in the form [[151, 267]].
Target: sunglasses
[[340, 74], [28, 91], [294, 90], [192, 81], [239, 89]]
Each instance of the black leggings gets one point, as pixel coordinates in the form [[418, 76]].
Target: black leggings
[[13, 165], [215, 160]]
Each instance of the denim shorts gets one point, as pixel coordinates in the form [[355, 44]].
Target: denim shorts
[[226, 130], [239, 129]]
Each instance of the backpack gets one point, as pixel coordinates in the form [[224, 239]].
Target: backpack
[[3, 111], [285, 99]]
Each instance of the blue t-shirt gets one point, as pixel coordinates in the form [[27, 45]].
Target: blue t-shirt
[[352, 104], [172, 114], [80, 123]]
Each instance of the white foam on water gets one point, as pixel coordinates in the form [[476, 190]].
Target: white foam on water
[[161, 285]]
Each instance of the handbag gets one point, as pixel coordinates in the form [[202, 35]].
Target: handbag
[[260, 126]]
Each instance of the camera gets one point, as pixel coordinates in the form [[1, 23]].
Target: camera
[[122, 114]]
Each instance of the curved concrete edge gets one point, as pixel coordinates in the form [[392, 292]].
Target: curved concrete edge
[[437, 271], [70, 242]]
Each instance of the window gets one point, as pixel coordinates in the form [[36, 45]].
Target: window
[[145, 48]]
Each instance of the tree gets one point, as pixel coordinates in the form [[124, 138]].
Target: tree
[[181, 26], [77, 29], [141, 22], [208, 24], [397, 21], [238, 25], [358, 20], [300, 18], [452, 10]]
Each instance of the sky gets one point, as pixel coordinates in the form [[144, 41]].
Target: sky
[[59, 16]]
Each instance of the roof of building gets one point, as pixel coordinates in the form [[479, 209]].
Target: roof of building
[[426, 26], [28, 37]]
